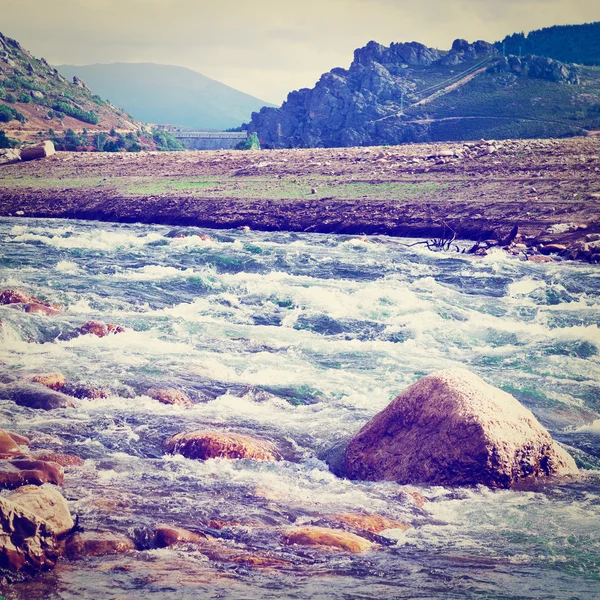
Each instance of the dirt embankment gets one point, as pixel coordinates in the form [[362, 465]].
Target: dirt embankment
[[478, 191]]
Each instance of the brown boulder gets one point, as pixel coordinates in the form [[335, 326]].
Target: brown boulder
[[538, 258], [452, 428], [167, 535], [100, 329], [24, 471], [41, 150], [85, 391], [97, 543], [34, 395], [8, 445], [203, 445], [41, 309], [53, 381], [170, 396], [46, 503], [26, 541], [331, 538], [372, 523], [15, 297]]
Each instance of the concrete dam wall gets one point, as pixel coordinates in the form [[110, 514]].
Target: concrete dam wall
[[210, 140]]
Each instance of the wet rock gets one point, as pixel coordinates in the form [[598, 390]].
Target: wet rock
[[203, 445], [331, 538], [372, 523], [537, 258], [53, 381], [40, 309], [15, 297], [592, 237], [170, 396], [38, 151], [452, 428], [553, 249], [85, 391], [64, 460], [46, 503], [167, 535], [34, 395], [97, 543], [26, 541], [100, 329], [8, 444], [417, 498], [17, 472]]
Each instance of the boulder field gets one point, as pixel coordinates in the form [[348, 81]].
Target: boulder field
[[452, 428]]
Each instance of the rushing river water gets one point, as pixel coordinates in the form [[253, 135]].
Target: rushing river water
[[299, 339]]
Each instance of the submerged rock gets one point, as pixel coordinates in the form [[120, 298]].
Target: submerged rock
[[372, 523], [64, 460], [85, 391], [47, 503], [331, 538], [34, 395], [53, 381], [26, 541], [167, 535], [170, 396], [17, 472], [15, 297], [97, 543], [203, 445], [40, 309], [452, 428], [100, 329]]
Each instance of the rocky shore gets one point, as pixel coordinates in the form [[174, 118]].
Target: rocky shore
[[539, 199]]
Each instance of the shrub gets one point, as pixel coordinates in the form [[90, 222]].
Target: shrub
[[7, 113], [75, 112], [10, 98], [5, 141], [250, 143], [166, 141]]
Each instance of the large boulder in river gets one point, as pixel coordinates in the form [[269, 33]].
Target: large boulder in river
[[452, 428], [330, 538], [26, 541], [97, 543], [216, 444], [34, 395], [46, 503]]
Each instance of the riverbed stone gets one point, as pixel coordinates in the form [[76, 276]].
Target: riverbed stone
[[330, 538], [40, 309], [64, 460], [34, 395], [97, 543], [8, 445], [168, 535], [46, 503], [372, 523], [53, 381], [26, 541], [170, 396], [204, 445], [100, 329], [452, 428], [11, 296], [16, 472]]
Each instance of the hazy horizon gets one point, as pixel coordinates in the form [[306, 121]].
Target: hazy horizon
[[266, 48]]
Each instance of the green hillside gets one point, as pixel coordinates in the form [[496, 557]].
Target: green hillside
[[568, 43], [168, 94]]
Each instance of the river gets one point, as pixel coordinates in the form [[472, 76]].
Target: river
[[299, 339]]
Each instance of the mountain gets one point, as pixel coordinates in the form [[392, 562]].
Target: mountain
[[168, 94], [568, 43], [408, 92], [35, 97]]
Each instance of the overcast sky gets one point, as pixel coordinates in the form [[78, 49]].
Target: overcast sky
[[264, 47]]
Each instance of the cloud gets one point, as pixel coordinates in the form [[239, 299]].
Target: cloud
[[266, 47]]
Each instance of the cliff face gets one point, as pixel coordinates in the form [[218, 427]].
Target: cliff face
[[396, 94]]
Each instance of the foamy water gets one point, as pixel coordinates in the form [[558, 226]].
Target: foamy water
[[299, 339]]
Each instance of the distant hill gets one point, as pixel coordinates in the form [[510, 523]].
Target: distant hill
[[408, 92], [36, 97], [568, 43], [168, 94]]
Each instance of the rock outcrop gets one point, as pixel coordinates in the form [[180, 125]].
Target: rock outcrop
[[387, 96], [26, 541], [452, 428], [204, 445]]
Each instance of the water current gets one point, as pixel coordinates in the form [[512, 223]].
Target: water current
[[299, 339]]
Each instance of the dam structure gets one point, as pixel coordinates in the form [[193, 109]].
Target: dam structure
[[210, 140]]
